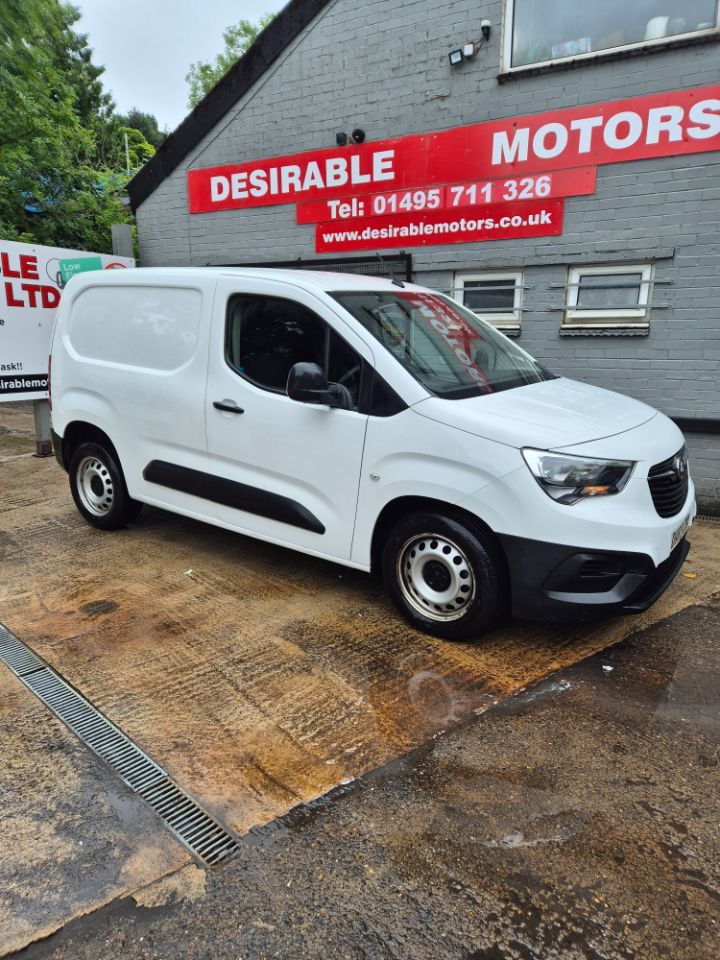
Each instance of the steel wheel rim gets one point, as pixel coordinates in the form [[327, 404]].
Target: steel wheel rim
[[435, 577], [95, 486]]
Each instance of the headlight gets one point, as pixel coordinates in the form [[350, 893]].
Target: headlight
[[568, 479]]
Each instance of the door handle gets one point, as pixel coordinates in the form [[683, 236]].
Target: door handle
[[227, 407]]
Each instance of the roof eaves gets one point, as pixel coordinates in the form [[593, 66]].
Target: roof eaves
[[270, 44]]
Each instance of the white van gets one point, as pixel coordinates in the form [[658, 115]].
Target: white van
[[376, 424]]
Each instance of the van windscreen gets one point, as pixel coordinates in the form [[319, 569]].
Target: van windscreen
[[449, 349]]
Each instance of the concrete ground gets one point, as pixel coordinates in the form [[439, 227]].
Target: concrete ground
[[17, 431], [261, 680], [577, 820]]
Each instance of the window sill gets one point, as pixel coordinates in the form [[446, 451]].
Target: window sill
[[508, 331], [572, 63], [609, 330]]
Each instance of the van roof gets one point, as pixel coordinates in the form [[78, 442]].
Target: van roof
[[307, 279]]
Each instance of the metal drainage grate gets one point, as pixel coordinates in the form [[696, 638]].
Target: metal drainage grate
[[16, 655], [189, 822]]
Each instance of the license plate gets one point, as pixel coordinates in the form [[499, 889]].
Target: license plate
[[680, 532]]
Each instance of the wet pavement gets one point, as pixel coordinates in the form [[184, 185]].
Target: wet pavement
[[578, 820], [60, 805], [259, 678]]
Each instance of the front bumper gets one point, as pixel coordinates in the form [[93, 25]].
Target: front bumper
[[561, 583]]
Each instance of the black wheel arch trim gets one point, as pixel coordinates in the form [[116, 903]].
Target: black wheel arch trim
[[75, 433], [230, 493], [57, 443], [399, 507]]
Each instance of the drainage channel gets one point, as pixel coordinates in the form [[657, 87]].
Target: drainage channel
[[193, 826]]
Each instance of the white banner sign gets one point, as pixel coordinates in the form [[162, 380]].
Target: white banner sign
[[31, 283]]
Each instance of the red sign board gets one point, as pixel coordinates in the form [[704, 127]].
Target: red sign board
[[545, 186], [664, 124], [498, 221]]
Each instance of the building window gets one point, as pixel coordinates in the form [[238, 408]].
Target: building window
[[496, 297], [608, 296], [544, 31]]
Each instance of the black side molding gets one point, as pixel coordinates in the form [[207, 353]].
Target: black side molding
[[229, 493]]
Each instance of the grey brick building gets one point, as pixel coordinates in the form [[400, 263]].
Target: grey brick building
[[627, 296]]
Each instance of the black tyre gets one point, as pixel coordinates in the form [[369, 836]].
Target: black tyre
[[98, 488], [445, 575]]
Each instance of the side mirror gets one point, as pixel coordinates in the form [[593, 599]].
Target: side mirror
[[481, 357], [308, 383]]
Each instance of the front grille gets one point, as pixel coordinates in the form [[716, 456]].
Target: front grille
[[668, 483]]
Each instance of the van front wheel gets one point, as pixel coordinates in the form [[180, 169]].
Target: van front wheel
[[98, 488], [444, 575]]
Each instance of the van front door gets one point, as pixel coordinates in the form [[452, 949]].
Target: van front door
[[282, 470]]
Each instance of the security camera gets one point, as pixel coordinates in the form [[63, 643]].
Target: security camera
[[358, 135], [341, 139], [485, 27]]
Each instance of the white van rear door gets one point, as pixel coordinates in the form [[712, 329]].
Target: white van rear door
[[282, 470]]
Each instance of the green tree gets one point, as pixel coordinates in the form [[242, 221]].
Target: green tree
[[203, 75], [62, 149], [109, 146], [146, 124], [73, 59], [40, 132]]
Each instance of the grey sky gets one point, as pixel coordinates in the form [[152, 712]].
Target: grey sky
[[147, 46]]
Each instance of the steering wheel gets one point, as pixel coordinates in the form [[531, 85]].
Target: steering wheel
[[350, 379]]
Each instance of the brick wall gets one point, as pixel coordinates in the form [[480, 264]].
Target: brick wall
[[382, 65]]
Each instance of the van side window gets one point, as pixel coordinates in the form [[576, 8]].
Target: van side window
[[266, 336]]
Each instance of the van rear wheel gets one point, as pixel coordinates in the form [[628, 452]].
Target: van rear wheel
[[445, 575], [99, 490]]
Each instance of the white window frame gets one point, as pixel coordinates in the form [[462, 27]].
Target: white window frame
[[507, 43], [607, 316], [503, 321]]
